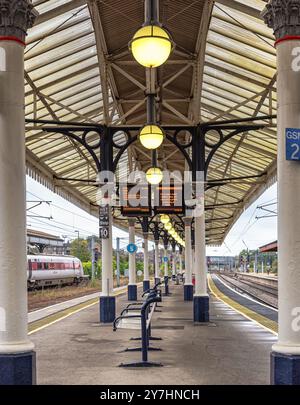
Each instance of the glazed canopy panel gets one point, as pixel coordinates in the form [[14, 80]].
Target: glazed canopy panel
[[78, 68]]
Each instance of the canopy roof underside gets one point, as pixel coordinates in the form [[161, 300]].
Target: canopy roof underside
[[78, 68]]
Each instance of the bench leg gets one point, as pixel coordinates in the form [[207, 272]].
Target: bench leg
[[141, 364], [139, 349], [150, 338], [166, 279], [149, 335]]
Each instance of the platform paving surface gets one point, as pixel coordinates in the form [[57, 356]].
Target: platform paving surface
[[53, 309], [228, 350]]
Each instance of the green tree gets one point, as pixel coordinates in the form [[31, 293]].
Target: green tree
[[79, 248], [87, 268]]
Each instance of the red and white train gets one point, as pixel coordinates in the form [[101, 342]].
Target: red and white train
[[53, 270]]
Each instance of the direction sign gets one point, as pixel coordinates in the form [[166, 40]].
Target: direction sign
[[104, 221], [292, 143], [131, 248], [166, 259]]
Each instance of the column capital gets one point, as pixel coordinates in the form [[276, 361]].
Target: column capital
[[131, 222], [283, 16], [146, 235], [187, 221], [16, 17]]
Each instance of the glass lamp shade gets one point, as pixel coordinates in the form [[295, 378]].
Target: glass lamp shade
[[172, 232], [168, 226], [154, 175], [164, 219], [151, 46], [151, 136]]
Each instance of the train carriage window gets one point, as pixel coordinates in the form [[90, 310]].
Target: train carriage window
[[46, 266], [51, 266], [40, 266]]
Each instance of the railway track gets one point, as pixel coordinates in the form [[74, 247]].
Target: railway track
[[262, 289]]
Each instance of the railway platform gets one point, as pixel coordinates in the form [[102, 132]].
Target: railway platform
[[87, 352]]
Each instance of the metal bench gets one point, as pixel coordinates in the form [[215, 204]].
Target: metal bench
[[148, 293], [140, 319]]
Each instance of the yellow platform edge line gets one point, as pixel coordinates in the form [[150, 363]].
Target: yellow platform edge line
[[43, 323], [269, 325]]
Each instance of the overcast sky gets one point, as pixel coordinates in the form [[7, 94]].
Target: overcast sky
[[67, 218]]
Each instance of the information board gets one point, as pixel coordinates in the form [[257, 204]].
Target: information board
[[135, 200], [169, 199]]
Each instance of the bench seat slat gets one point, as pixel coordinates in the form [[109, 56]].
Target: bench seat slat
[[126, 323]]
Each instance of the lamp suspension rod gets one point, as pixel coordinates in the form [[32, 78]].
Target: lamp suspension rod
[[151, 12], [151, 110], [154, 158]]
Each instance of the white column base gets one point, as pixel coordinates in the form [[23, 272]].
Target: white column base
[[22, 347], [286, 349]]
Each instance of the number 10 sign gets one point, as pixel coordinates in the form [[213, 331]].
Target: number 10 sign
[[292, 143]]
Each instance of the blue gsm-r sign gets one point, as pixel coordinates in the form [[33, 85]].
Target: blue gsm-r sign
[[131, 248], [292, 143]]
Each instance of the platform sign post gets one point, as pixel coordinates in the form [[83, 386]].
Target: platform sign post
[[292, 143], [118, 262], [93, 257], [131, 249]]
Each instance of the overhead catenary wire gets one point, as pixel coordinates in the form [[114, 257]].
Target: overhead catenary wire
[[64, 228], [91, 219]]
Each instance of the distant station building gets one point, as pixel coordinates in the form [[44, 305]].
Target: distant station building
[[220, 262], [41, 242]]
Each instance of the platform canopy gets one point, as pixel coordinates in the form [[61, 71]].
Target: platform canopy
[[78, 68], [269, 247]]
